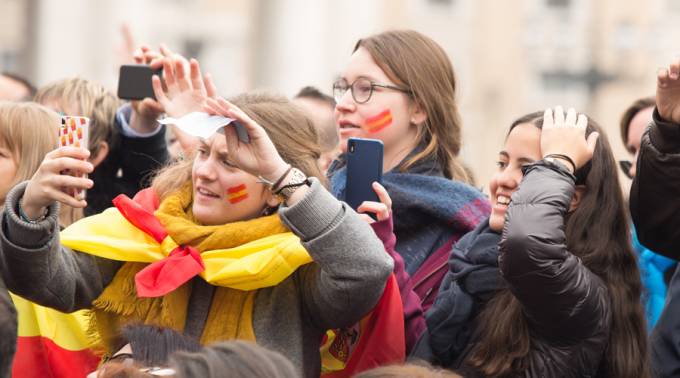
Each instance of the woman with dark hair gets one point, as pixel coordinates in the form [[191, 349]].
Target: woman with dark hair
[[549, 286]]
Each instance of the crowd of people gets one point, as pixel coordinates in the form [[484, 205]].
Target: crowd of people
[[216, 257]]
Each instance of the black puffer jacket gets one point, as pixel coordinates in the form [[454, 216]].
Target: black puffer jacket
[[654, 195], [566, 305], [655, 209]]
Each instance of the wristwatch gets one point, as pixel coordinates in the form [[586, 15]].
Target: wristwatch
[[288, 187]]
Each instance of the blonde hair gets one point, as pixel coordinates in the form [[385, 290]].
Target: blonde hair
[[29, 131], [291, 131], [418, 63], [87, 99]]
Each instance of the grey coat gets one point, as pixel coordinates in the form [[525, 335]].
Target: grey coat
[[345, 281]]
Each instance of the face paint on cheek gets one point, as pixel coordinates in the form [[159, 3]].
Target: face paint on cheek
[[236, 194], [379, 122]]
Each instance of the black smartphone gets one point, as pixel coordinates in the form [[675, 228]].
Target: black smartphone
[[364, 167], [134, 81]]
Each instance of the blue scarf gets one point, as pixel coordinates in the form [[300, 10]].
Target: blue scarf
[[473, 278], [429, 210]]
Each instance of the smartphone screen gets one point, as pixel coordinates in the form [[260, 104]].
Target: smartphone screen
[[134, 81], [364, 167]]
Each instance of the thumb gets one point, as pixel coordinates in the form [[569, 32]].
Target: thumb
[[592, 141]]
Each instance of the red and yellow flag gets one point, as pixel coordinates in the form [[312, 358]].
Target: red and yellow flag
[[51, 343], [379, 122], [237, 194], [377, 340]]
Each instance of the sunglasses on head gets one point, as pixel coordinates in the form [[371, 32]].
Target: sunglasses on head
[[625, 167]]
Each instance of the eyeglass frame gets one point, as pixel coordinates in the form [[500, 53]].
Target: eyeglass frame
[[350, 87]]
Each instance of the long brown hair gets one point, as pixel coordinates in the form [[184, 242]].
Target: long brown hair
[[415, 61], [291, 131], [596, 232]]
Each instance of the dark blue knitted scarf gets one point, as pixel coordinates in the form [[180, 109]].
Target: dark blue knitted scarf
[[429, 210], [473, 278]]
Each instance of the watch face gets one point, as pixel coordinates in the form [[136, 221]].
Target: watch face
[[296, 180]]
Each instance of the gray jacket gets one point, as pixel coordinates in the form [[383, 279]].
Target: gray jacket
[[345, 281]]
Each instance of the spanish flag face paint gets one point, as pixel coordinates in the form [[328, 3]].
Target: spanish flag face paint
[[236, 194], [379, 122]]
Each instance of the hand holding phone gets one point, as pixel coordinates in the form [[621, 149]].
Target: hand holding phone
[[371, 211], [134, 81], [364, 167]]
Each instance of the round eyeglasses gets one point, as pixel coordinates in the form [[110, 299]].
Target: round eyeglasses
[[362, 89]]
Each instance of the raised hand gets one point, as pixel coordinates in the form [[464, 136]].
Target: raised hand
[[668, 92], [48, 184], [381, 209], [259, 157], [183, 93], [562, 135]]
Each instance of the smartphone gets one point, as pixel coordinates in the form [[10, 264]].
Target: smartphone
[[134, 81], [74, 131], [364, 167]]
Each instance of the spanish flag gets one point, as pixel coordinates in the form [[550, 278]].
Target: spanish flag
[[51, 343], [379, 122], [237, 194], [377, 340]]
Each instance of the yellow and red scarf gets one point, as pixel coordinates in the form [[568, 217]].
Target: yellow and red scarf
[[166, 248], [244, 255]]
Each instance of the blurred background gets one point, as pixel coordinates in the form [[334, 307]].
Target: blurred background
[[511, 57]]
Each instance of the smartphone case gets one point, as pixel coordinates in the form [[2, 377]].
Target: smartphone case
[[74, 131], [364, 166]]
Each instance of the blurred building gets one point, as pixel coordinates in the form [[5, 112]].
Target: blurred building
[[511, 57]]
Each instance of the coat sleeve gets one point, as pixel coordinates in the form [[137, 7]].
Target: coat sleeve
[[351, 267], [654, 203], [139, 156], [560, 297], [414, 319], [37, 267]]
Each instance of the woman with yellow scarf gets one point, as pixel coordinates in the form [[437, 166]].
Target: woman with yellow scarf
[[242, 242]]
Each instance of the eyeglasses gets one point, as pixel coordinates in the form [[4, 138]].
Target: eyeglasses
[[625, 166], [362, 89]]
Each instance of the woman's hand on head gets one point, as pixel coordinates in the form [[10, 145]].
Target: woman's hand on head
[[180, 93], [259, 157], [565, 135], [382, 209], [48, 184], [668, 92]]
